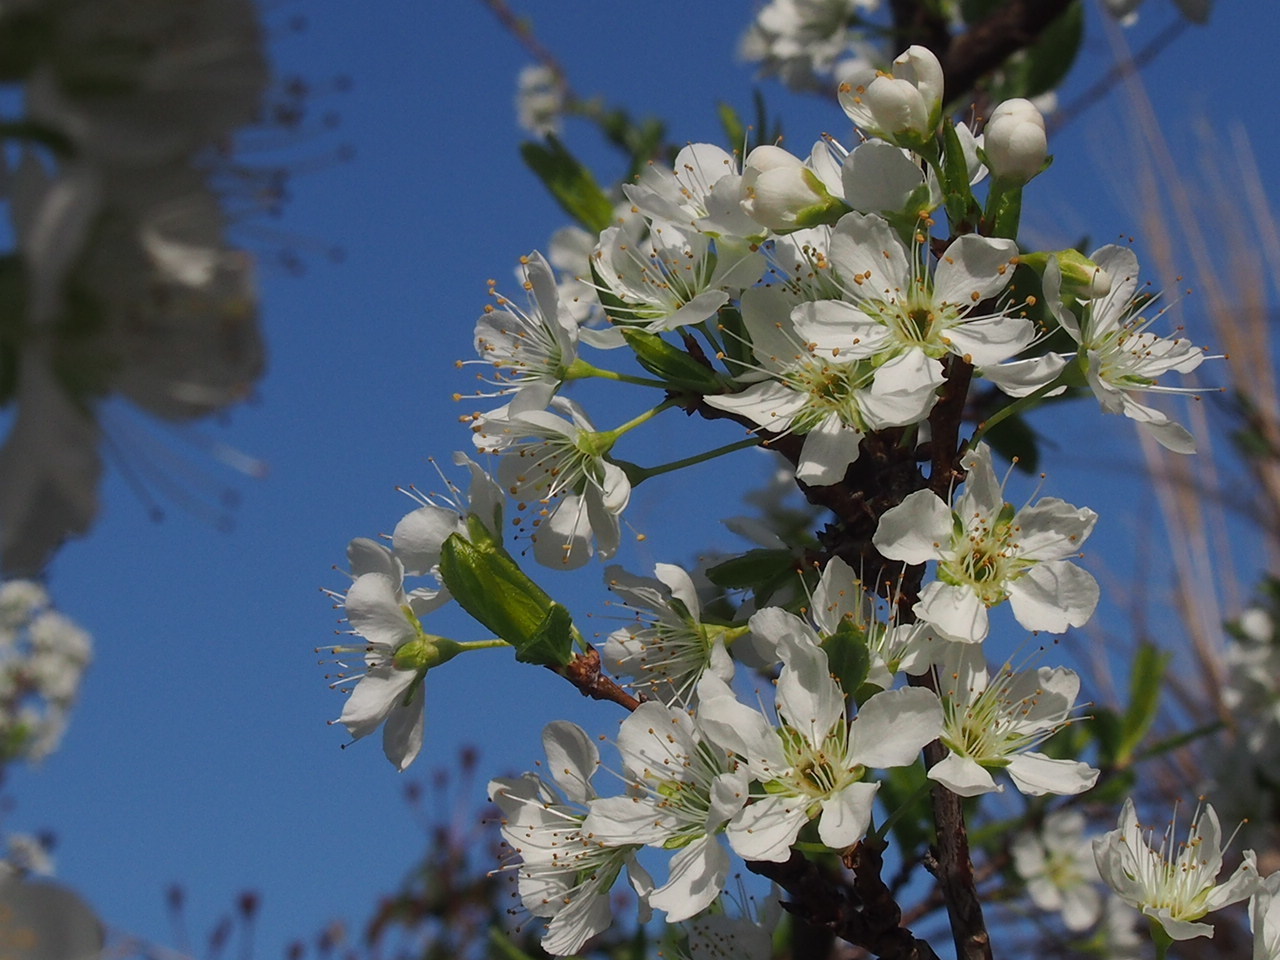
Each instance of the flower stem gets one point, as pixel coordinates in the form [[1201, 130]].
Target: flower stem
[[634, 422], [1160, 937], [638, 474], [1022, 403], [581, 370], [468, 645]]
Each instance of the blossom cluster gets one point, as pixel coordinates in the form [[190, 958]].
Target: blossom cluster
[[840, 307], [43, 656]]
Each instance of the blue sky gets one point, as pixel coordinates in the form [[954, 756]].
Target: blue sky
[[199, 752]]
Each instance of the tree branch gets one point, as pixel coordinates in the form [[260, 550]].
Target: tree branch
[[986, 45]]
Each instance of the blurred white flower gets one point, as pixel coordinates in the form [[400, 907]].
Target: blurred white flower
[[1057, 865]]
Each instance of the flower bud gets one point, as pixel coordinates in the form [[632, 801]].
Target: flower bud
[[902, 105], [779, 191], [1079, 277], [489, 584], [1015, 141]]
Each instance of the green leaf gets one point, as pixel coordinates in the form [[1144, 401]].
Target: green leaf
[[1015, 440], [737, 340], [735, 131], [848, 656], [1104, 724], [1146, 677], [903, 785], [1047, 62], [752, 569], [571, 183], [962, 207], [672, 364]]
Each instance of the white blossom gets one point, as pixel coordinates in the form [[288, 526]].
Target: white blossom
[[1057, 865], [988, 552], [903, 104], [1119, 355], [564, 874], [536, 345], [812, 764], [669, 648], [1176, 884], [993, 723], [682, 789], [552, 456]]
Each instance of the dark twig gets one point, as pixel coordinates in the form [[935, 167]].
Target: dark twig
[[585, 674], [863, 913]]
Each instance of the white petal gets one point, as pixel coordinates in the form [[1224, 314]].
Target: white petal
[[915, 531], [878, 177], [402, 735], [1053, 596], [1034, 774], [372, 605], [572, 759], [697, 876], [419, 536], [837, 330], [828, 450], [955, 611], [1052, 529], [865, 246], [972, 269], [377, 693], [962, 776], [766, 828], [892, 727], [846, 815], [903, 391]]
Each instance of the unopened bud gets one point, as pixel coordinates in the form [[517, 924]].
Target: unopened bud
[[902, 105], [1015, 141], [779, 191], [1081, 278]]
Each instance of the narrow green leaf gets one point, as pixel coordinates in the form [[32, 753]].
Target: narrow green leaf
[[1145, 681], [735, 131], [571, 183]]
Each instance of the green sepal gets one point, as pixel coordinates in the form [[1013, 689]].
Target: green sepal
[[489, 585], [848, 657], [827, 213], [672, 364], [1078, 271], [1146, 677], [957, 195], [571, 183]]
